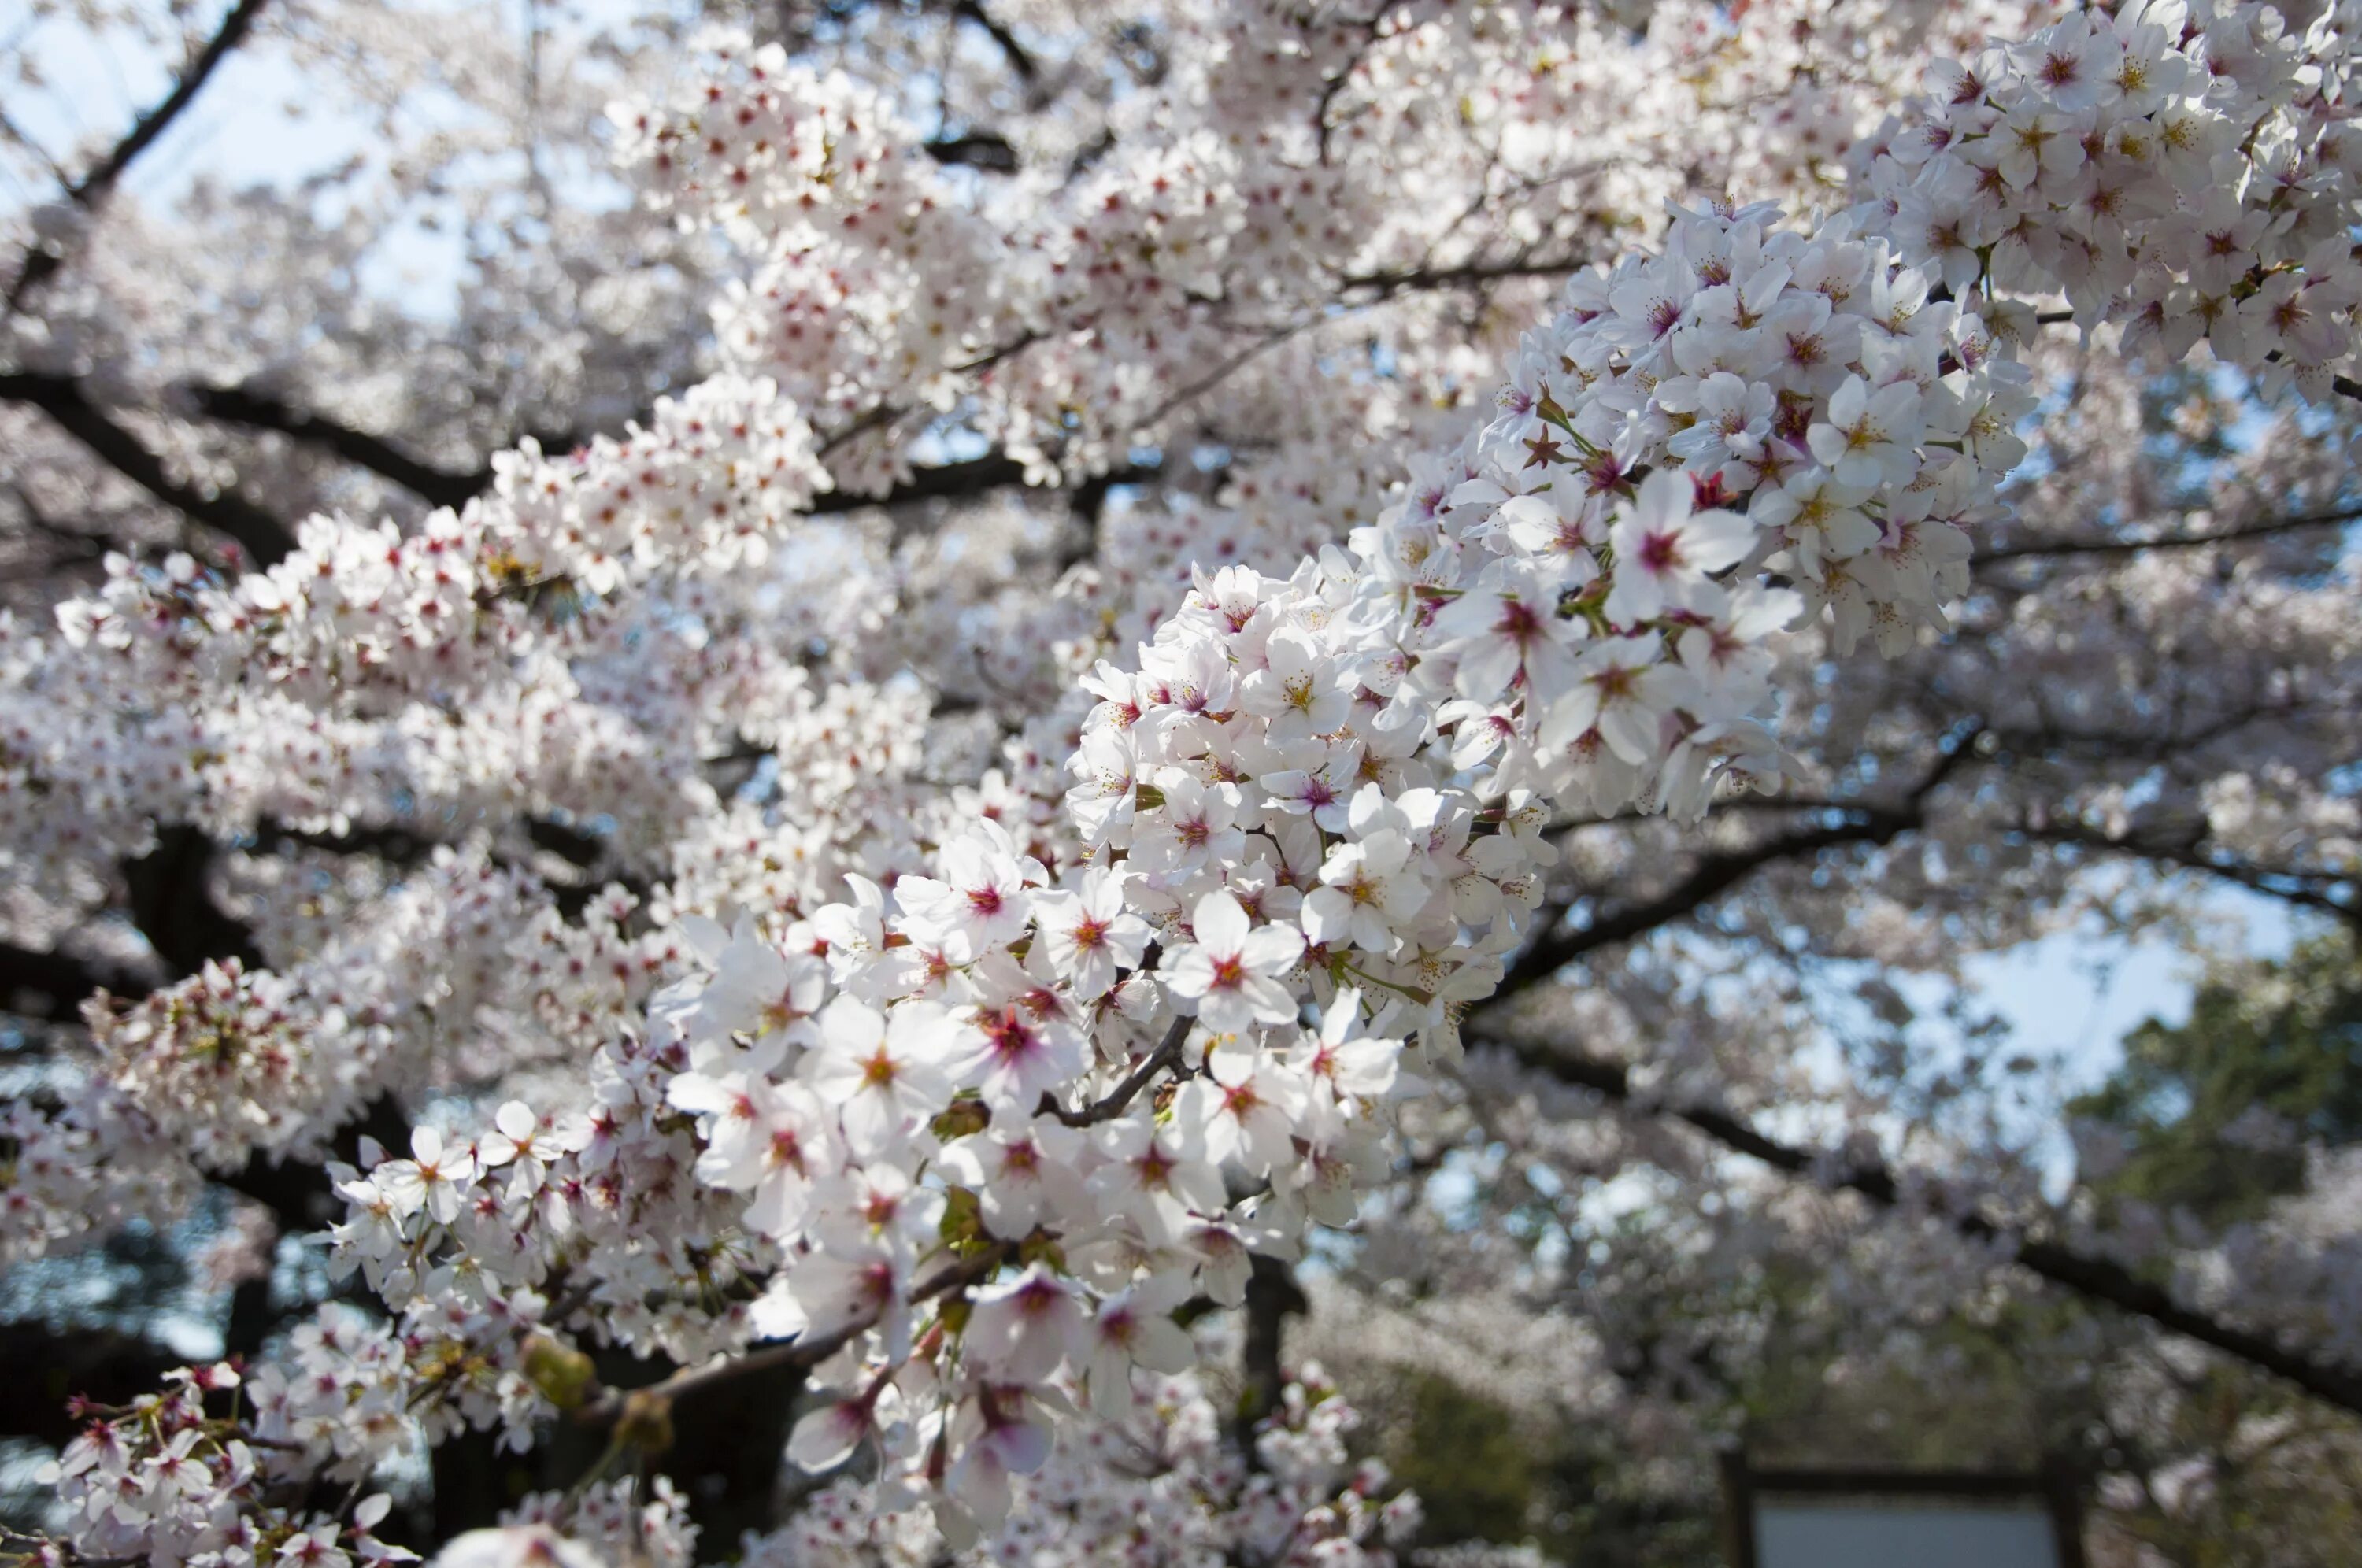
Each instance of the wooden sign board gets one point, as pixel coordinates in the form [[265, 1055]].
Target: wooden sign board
[[1870, 1518]]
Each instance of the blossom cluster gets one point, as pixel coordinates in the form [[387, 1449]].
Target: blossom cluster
[[967, 1088], [1162, 1484], [371, 667], [233, 1063], [969, 1130], [2189, 171], [604, 1524], [939, 1105], [190, 1473]]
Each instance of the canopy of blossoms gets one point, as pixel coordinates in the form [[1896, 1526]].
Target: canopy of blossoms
[[952, 1095]]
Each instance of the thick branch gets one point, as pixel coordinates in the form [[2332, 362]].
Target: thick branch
[[1273, 1296], [174, 909], [264, 537], [1167, 1055], [61, 980], [987, 151], [974, 477], [437, 487], [2097, 1279], [93, 187], [299, 1194], [946, 481], [1714, 874], [50, 1366]]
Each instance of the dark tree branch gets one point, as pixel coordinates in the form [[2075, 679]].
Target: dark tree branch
[[59, 981], [804, 1352], [264, 537], [1859, 823], [1420, 279], [948, 482], [2098, 1279], [1019, 60], [437, 487], [987, 151], [1714, 876], [2305, 890], [175, 910], [298, 1194], [975, 477], [1273, 1296], [1167, 1055], [50, 1366], [2184, 542], [172, 908], [1717, 874], [93, 187]]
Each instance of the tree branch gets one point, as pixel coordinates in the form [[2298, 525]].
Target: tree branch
[[1167, 1055], [607, 1406], [1861, 822], [1019, 60], [264, 538], [61, 980], [1273, 1296], [437, 487], [974, 477], [1714, 876], [49, 1366], [2184, 542], [987, 151], [94, 186], [1390, 284], [2305, 890], [2098, 1279], [175, 910]]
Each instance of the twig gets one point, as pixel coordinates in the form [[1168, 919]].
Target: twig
[[608, 1403], [87, 192], [2182, 542], [1165, 1055]]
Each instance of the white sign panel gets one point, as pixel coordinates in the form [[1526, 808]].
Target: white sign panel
[[1903, 1532]]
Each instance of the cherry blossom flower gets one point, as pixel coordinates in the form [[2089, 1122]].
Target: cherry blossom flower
[[1666, 552], [1230, 975], [1087, 934]]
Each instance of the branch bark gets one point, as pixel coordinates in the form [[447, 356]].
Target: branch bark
[[806, 1351], [59, 981], [1167, 1055], [264, 537], [1714, 876], [1273, 1297], [437, 487], [1021, 60], [2184, 542], [1417, 279], [2095, 1278], [987, 151], [2304, 889], [93, 187], [50, 1366]]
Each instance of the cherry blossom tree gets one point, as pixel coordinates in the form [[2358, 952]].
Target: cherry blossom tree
[[1007, 666]]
